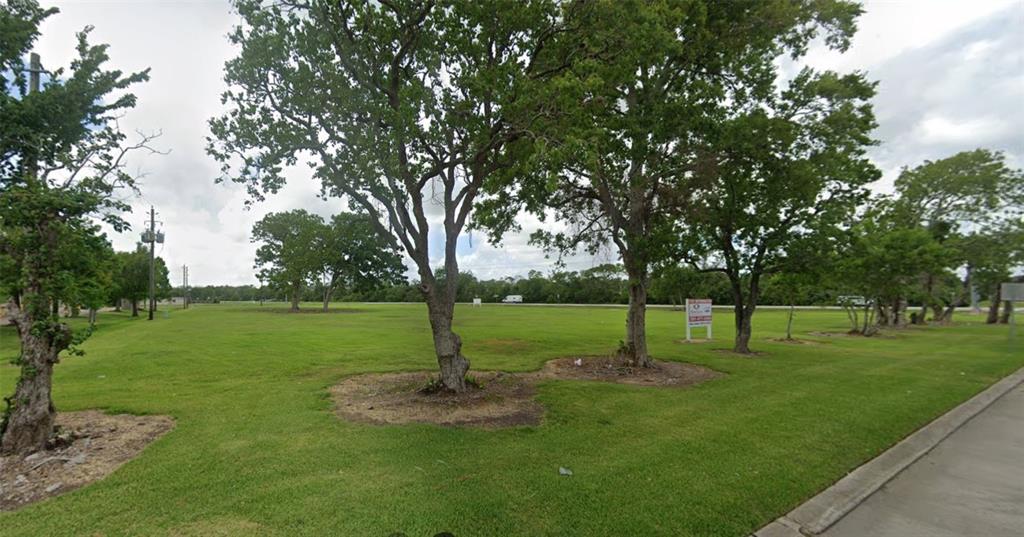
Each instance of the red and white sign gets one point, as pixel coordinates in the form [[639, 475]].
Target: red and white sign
[[698, 311]]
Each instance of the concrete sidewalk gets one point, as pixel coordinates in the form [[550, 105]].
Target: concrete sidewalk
[[970, 484]]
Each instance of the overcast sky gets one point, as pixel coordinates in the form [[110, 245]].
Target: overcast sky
[[951, 77]]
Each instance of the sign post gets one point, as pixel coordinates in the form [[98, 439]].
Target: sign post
[[698, 313], [1012, 293]]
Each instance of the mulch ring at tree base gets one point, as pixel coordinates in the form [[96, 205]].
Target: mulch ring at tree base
[[751, 354], [90, 445], [830, 334], [494, 400], [795, 341], [614, 369], [694, 341]]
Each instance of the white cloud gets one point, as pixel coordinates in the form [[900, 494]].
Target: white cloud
[[890, 28], [942, 130]]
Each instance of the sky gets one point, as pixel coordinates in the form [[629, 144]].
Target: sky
[[950, 73]]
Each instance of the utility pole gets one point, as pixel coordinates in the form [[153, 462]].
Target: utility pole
[[35, 66], [152, 261], [152, 237], [184, 287]]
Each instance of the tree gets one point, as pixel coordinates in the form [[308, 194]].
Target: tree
[[131, 281], [96, 264], [354, 256], [883, 262], [975, 187], [290, 253], [405, 109], [674, 283], [782, 166], [623, 154], [971, 189], [803, 268], [61, 166], [992, 253]]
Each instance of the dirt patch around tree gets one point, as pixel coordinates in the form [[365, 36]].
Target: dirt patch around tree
[[610, 369], [831, 334], [751, 354], [795, 341], [89, 446], [494, 399]]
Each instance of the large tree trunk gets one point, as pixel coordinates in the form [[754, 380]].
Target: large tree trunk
[[744, 328], [743, 309], [947, 315], [296, 295], [636, 319], [929, 284], [30, 422], [135, 308], [92, 317], [883, 314], [993, 307], [327, 299], [922, 315], [938, 313], [741, 342], [447, 344]]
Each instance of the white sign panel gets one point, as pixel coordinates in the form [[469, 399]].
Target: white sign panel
[[1014, 292], [477, 302], [698, 313]]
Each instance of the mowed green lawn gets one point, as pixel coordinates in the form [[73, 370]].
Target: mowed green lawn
[[257, 450]]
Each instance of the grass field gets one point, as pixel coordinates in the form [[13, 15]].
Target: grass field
[[257, 451]]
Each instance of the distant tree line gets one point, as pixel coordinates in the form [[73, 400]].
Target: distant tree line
[[603, 284]]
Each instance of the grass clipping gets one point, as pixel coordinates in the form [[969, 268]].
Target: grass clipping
[[494, 399]]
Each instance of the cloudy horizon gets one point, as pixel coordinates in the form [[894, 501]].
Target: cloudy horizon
[[951, 78]]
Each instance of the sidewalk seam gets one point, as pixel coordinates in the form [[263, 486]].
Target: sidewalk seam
[[830, 505]]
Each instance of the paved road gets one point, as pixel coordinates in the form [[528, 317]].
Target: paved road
[[971, 484]]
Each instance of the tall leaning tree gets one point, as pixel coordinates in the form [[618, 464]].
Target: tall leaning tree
[[403, 108], [61, 168], [621, 158]]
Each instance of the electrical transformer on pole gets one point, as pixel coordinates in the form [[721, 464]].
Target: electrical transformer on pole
[[152, 237]]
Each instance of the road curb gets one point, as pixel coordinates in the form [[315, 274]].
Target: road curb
[[825, 509]]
